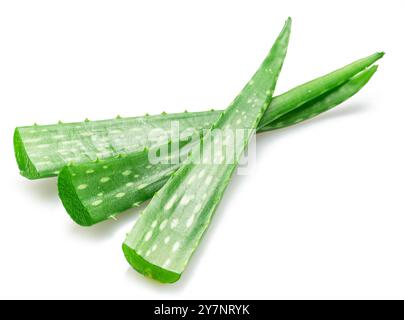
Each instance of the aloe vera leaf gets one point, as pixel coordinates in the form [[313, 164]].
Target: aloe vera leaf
[[170, 229], [323, 103], [96, 191], [42, 151], [133, 175], [314, 89]]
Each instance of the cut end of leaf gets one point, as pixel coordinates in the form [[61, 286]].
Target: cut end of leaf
[[27, 168], [70, 199], [146, 268]]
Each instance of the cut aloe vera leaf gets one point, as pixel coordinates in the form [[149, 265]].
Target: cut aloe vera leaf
[[96, 191], [78, 184], [42, 151], [170, 229]]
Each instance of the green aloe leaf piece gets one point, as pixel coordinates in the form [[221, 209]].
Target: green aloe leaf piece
[[42, 151], [171, 227]]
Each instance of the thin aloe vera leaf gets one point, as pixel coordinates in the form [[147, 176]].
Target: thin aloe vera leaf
[[312, 89], [128, 181], [323, 103], [42, 151], [171, 227]]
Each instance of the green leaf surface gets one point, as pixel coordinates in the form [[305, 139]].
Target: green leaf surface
[[42, 151], [171, 227]]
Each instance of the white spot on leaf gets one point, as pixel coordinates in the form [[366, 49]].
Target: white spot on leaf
[[185, 200], [208, 179], [96, 203], [166, 263], [174, 223], [190, 221], [170, 203], [120, 195], [148, 235], [201, 174], [191, 179], [142, 186], [176, 246], [197, 208], [126, 172], [163, 224]]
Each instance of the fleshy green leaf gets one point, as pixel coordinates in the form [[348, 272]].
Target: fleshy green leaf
[[170, 229]]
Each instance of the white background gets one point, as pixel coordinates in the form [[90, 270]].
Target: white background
[[320, 216]]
